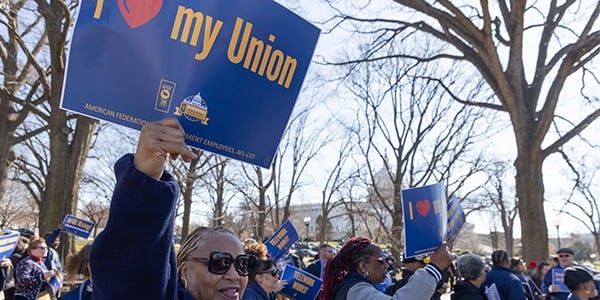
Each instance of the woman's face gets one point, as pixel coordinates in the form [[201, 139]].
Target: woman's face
[[204, 285], [40, 251], [375, 266], [268, 280]]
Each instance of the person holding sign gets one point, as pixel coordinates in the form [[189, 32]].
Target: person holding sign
[[134, 256], [550, 286], [507, 282], [360, 265], [581, 283], [31, 275]]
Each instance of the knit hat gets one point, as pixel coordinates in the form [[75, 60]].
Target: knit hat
[[574, 276]]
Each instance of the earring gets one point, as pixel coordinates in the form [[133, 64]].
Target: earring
[[185, 284]]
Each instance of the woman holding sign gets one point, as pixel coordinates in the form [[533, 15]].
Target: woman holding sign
[[134, 256], [31, 275], [360, 265]]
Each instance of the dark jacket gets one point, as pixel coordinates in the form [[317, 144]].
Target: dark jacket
[[464, 290], [255, 292], [406, 273], [508, 284], [547, 281], [134, 257], [315, 268]]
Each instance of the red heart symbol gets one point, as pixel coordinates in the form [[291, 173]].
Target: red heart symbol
[[423, 207], [139, 12]]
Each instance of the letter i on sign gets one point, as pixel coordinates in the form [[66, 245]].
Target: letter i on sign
[[410, 210], [98, 11]]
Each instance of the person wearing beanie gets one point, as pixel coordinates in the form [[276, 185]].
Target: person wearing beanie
[[581, 284], [565, 260]]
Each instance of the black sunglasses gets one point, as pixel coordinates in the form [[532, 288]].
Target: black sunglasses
[[220, 262], [274, 272]]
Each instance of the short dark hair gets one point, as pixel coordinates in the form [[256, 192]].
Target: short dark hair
[[499, 256]]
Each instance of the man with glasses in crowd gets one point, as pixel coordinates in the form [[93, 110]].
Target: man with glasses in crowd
[[317, 267], [549, 286]]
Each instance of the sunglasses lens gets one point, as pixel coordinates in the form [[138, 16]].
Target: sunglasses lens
[[243, 264], [219, 262]]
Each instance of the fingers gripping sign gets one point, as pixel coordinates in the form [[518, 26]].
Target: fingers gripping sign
[[158, 141]]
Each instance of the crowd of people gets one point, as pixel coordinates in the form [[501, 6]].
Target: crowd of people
[[135, 258]]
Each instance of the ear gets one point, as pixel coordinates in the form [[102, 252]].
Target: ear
[[362, 266]]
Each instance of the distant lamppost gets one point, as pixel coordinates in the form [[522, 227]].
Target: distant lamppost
[[306, 223], [557, 224]]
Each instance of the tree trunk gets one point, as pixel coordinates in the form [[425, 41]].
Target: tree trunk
[[68, 150], [530, 194], [397, 219]]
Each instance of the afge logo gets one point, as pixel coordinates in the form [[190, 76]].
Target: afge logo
[[194, 109], [135, 12]]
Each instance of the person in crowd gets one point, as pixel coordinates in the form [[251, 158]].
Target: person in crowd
[[134, 256], [581, 283], [78, 268], [410, 266], [518, 266], [553, 261], [549, 288], [531, 265], [471, 270], [32, 276], [317, 267], [509, 286], [263, 281], [359, 266], [6, 276], [540, 271], [53, 241], [19, 253]]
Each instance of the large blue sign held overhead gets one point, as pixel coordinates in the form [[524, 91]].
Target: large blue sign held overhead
[[425, 219], [230, 71]]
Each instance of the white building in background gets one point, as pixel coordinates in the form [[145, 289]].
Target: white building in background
[[360, 221]]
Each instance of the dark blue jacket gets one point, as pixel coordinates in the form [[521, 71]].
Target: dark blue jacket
[[255, 292], [76, 293], [134, 257], [508, 284], [547, 282]]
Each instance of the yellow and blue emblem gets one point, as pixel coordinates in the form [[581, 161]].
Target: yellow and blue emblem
[[193, 108]]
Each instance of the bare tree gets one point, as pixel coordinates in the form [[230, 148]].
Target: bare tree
[[15, 205], [97, 212], [504, 206], [188, 177], [22, 78], [40, 37], [341, 176], [409, 136], [582, 203], [302, 141], [527, 54]]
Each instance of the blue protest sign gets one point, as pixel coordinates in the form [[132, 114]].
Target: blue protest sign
[[301, 285], [491, 292], [456, 219], [282, 240], [230, 71], [8, 243], [56, 282], [77, 226], [558, 278], [425, 219]]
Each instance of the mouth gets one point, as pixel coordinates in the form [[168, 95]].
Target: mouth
[[230, 292]]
